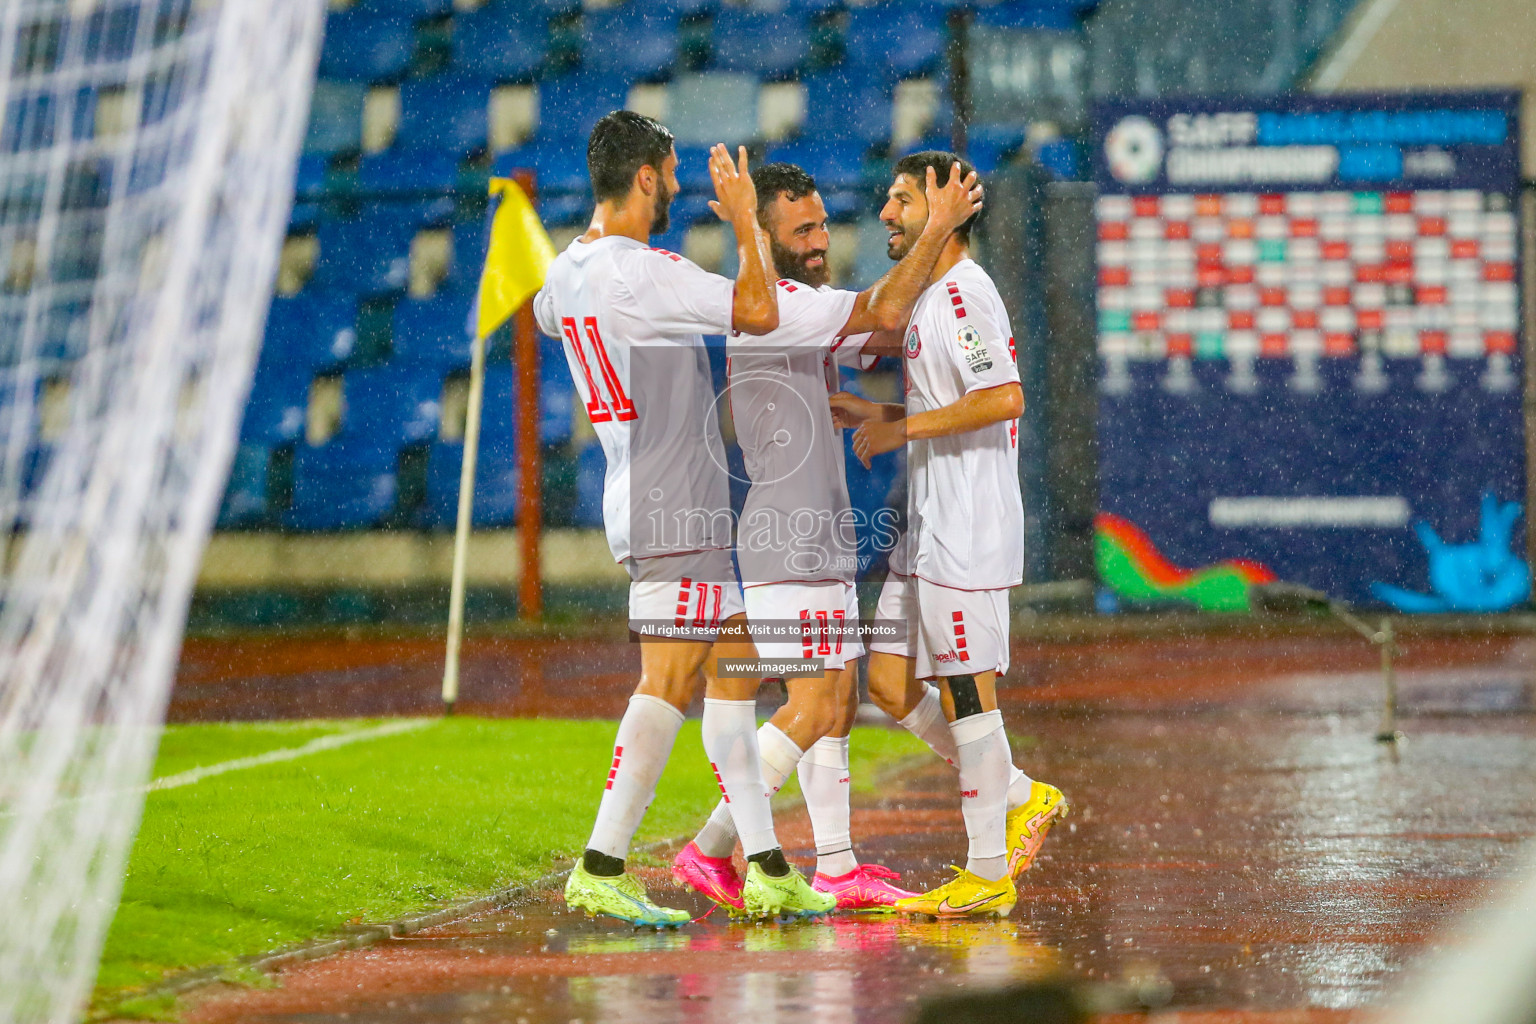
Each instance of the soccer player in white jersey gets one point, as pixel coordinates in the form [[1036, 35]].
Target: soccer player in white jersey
[[632, 319], [796, 544], [962, 552]]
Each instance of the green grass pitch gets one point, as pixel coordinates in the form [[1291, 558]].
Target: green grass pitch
[[248, 861]]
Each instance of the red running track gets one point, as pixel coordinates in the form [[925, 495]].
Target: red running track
[[1239, 843]]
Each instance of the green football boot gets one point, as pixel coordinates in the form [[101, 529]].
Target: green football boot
[[764, 896], [621, 896]]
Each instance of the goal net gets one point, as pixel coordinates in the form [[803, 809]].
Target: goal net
[[146, 172]]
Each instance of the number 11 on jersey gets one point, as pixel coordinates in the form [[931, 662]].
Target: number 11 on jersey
[[600, 409]]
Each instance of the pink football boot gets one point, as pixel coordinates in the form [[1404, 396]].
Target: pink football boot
[[866, 887], [715, 877]]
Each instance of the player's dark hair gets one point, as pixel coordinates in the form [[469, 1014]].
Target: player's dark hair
[[916, 166], [772, 180], [620, 144]]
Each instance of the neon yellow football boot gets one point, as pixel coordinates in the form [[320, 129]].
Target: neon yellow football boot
[[621, 896], [1029, 822], [763, 896], [965, 895]]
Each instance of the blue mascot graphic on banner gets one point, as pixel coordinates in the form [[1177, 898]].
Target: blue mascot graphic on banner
[[1483, 576]]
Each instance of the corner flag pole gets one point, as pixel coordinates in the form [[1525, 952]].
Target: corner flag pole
[[461, 530], [516, 259]]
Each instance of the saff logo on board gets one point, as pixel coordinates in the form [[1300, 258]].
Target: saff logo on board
[[1134, 148]]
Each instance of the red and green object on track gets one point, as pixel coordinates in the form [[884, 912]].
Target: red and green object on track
[[1131, 566]]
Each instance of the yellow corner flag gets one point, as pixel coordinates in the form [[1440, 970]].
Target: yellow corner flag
[[517, 258]]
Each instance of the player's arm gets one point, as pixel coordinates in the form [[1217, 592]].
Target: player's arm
[[974, 410], [850, 410], [886, 304], [884, 343], [755, 303]]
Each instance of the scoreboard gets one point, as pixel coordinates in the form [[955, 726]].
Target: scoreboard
[[1309, 329]]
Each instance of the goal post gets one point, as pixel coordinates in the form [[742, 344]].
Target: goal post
[[147, 163]]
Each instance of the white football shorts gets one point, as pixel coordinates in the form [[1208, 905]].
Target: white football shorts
[[949, 632], [827, 614], [685, 596]]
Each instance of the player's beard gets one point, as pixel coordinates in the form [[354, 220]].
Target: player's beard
[[661, 212], [898, 247], [792, 265]]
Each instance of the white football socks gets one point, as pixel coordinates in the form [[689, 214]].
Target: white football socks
[[984, 759], [730, 741], [926, 722], [640, 751], [779, 755], [824, 781]]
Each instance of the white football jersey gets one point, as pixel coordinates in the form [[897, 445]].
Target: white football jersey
[[632, 321], [965, 517], [797, 522]]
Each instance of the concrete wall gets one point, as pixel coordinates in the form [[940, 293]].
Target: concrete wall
[[1393, 45], [259, 561]]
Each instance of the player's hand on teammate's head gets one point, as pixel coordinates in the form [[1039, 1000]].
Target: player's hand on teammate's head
[[735, 195], [954, 203]]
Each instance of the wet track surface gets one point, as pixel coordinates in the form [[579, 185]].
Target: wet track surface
[[1239, 847]]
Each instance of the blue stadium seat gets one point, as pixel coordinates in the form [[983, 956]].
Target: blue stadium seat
[[1031, 14], [558, 167], [416, 9], [310, 180], [335, 117], [109, 33], [29, 121], [66, 331], [499, 43], [409, 170], [560, 210], [310, 333], [716, 106], [899, 39], [495, 485], [468, 256], [847, 102], [245, 496], [447, 112], [346, 484], [687, 8], [591, 468], [304, 217], [276, 408], [34, 468], [370, 255], [687, 210], [772, 45], [1060, 157], [557, 395], [631, 41], [693, 169], [549, 8], [394, 405], [434, 333], [834, 165], [570, 105], [360, 47], [495, 463]]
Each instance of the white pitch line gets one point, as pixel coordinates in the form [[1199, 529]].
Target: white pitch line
[[314, 746]]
